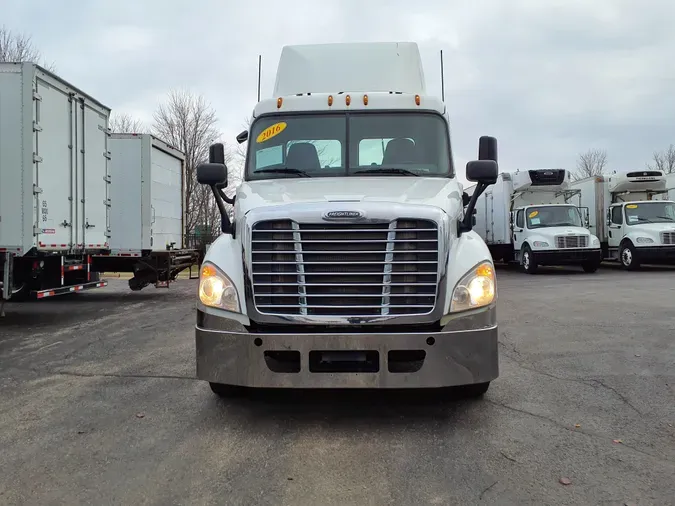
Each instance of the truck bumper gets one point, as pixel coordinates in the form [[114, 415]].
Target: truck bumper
[[463, 352], [656, 254], [568, 256]]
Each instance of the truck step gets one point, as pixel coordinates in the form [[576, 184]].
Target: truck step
[[41, 294]]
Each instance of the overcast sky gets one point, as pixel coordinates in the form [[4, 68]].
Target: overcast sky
[[549, 78]]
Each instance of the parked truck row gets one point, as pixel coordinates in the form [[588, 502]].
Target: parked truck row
[[539, 217], [76, 200]]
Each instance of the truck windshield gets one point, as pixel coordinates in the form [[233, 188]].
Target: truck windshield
[[650, 212], [553, 216], [349, 144]]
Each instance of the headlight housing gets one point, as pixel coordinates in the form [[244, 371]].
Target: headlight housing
[[476, 289], [595, 241], [644, 240], [540, 244], [217, 290]]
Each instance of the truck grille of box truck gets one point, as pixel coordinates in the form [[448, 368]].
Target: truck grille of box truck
[[571, 241], [668, 237], [345, 269]]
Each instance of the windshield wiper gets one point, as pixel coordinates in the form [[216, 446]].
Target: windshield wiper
[[284, 170], [385, 170]]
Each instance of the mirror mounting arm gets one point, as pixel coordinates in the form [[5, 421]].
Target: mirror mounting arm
[[226, 225], [466, 225]]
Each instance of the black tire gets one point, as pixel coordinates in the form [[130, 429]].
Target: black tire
[[225, 391], [527, 261], [628, 257], [590, 267], [474, 391]]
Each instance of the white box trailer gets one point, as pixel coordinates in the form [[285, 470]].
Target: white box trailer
[[147, 217], [146, 193], [632, 215], [533, 217], [53, 181], [53, 163]]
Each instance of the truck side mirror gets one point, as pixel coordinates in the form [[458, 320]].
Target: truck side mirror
[[212, 174], [217, 153], [487, 148], [482, 171]]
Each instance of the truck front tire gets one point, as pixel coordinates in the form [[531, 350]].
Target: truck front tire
[[225, 391], [474, 391], [628, 257], [527, 261]]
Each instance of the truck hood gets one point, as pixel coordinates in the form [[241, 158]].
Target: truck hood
[[443, 193]]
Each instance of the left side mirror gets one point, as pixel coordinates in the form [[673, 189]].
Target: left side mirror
[[482, 171], [212, 174]]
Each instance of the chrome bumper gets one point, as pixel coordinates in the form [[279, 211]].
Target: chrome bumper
[[463, 352]]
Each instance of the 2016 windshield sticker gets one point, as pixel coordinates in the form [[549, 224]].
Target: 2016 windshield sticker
[[533, 214], [631, 206], [270, 132]]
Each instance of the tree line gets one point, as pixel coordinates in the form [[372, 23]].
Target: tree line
[[594, 162]]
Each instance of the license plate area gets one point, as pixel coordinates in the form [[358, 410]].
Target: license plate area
[[349, 361]]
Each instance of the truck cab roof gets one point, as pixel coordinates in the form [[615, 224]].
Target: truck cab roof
[[350, 77]]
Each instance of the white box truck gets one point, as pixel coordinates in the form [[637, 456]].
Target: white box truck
[[54, 183], [350, 262], [630, 216], [535, 218]]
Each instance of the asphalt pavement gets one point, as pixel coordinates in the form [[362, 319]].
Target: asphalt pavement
[[99, 405]]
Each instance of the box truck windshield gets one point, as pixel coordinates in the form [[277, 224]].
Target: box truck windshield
[[650, 212], [349, 144], [553, 216]]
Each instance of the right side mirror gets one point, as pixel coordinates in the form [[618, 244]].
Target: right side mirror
[[482, 171]]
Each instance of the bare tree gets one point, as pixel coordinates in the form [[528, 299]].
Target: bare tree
[[188, 122], [126, 124], [664, 160], [590, 163], [17, 47]]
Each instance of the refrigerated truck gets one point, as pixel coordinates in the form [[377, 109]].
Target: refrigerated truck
[[56, 184], [350, 262], [632, 215], [535, 218]]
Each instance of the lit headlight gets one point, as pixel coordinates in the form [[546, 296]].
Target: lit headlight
[[476, 289], [217, 290], [540, 244], [644, 240]]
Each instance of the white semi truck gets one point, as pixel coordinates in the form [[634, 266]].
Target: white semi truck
[[630, 216], [535, 218], [64, 199], [350, 262]]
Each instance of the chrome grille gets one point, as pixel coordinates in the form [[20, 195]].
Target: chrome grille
[[345, 269], [668, 237], [571, 241]]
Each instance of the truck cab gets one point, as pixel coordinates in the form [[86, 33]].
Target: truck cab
[[351, 261], [642, 232], [554, 235]]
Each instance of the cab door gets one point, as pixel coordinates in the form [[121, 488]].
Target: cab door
[[518, 228], [615, 225]]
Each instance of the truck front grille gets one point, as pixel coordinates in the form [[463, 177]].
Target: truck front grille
[[571, 241], [668, 237], [345, 269]]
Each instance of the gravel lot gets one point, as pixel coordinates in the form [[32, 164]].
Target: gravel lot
[[99, 405]]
